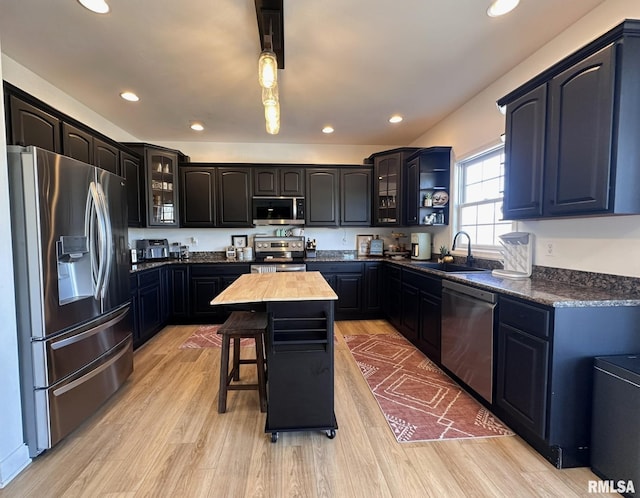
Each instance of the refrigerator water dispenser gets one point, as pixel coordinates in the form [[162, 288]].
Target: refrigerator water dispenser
[[74, 269]]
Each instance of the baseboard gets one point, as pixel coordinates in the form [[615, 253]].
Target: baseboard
[[13, 464]]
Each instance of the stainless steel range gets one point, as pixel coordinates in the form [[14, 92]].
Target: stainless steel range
[[274, 254]]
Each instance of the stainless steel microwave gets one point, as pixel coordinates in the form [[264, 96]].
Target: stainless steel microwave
[[278, 211]]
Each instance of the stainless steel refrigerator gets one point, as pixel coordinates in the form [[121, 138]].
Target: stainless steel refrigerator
[[69, 232]]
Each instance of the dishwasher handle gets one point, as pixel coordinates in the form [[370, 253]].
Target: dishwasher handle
[[474, 292]]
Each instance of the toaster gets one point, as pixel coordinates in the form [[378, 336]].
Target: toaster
[[150, 249]]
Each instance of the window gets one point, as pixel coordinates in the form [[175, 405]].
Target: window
[[479, 211]]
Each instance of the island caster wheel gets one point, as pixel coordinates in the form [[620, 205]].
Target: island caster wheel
[[274, 437], [331, 433]]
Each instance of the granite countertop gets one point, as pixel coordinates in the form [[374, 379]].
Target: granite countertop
[[549, 286], [547, 291]]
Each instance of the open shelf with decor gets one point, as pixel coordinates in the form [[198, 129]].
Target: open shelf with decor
[[428, 184]]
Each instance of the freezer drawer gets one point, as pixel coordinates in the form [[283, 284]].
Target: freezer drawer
[[70, 402], [60, 356]]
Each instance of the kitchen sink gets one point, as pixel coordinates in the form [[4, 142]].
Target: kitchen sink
[[448, 267]]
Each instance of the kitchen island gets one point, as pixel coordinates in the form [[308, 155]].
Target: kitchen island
[[299, 347]]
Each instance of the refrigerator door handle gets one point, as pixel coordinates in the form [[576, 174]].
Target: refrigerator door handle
[[106, 257], [92, 218]]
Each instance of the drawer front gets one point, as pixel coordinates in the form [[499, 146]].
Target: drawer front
[[205, 270], [149, 277], [432, 285], [335, 267], [525, 317]]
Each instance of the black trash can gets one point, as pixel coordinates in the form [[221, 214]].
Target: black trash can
[[615, 428]]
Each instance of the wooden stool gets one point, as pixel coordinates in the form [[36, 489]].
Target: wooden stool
[[242, 324]]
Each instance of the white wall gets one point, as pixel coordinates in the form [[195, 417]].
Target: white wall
[[275, 153], [13, 452], [33, 84], [602, 244]]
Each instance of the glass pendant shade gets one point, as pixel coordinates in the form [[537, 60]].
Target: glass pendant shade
[[267, 69], [272, 118], [270, 95]]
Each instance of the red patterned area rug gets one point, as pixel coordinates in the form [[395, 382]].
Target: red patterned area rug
[[418, 400], [207, 337]]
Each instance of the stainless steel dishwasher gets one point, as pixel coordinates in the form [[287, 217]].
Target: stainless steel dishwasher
[[467, 335]]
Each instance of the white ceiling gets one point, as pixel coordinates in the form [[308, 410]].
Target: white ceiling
[[348, 63]]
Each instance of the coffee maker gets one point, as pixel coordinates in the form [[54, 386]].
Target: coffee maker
[[420, 246]]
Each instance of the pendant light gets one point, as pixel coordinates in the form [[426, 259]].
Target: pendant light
[[269, 14], [268, 78], [267, 69]]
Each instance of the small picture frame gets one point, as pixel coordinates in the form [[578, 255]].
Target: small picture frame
[[239, 240], [363, 242]]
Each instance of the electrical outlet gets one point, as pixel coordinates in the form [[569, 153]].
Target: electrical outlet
[[194, 241], [550, 249]]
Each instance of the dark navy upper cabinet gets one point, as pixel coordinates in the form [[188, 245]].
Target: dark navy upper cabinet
[[278, 181], [575, 149], [524, 147], [31, 125], [579, 152]]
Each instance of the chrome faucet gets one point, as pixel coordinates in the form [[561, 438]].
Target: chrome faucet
[[470, 258]]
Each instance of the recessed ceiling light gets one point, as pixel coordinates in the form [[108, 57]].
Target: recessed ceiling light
[[328, 129], [130, 96], [396, 118], [501, 7], [197, 127], [97, 6]]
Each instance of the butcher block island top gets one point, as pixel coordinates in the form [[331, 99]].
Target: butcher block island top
[[282, 286]]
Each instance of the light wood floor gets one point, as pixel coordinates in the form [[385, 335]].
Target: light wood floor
[[161, 435]]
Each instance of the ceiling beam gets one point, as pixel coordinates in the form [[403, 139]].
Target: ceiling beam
[[270, 18]]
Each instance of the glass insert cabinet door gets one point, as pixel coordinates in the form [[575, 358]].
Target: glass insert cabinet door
[[163, 194], [387, 199]]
